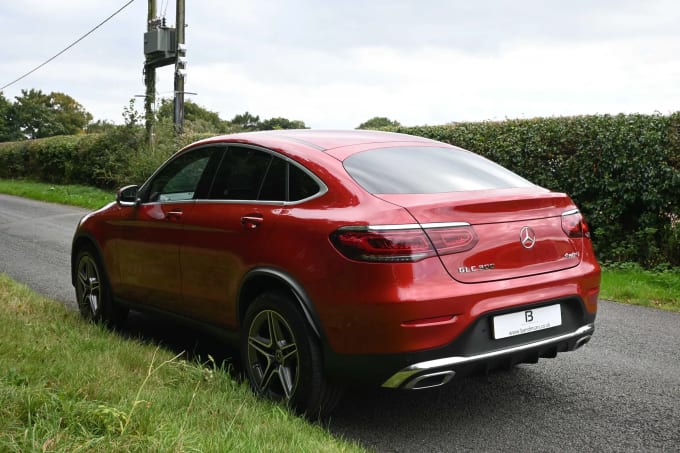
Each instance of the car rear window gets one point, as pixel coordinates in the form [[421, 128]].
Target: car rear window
[[428, 170]]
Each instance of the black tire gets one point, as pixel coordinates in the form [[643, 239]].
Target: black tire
[[93, 292], [282, 357]]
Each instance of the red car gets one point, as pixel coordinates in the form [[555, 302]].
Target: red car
[[345, 257]]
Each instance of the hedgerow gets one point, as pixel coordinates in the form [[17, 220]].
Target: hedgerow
[[623, 170]]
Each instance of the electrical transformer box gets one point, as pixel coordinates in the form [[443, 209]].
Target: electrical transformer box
[[159, 42]]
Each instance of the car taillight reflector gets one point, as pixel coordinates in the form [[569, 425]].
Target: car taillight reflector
[[383, 246], [452, 240], [407, 244], [574, 225]]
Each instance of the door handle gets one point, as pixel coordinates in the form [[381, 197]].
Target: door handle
[[252, 221], [173, 215]]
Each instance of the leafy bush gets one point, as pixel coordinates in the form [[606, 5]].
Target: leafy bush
[[623, 171], [102, 160]]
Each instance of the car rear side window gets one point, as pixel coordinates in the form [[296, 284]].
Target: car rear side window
[[240, 175], [251, 174], [420, 170]]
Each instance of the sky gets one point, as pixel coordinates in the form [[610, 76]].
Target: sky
[[336, 63]]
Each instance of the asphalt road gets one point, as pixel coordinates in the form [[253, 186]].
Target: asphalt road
[[621, 392]]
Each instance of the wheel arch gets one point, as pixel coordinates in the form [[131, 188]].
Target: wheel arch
[[261, 280]]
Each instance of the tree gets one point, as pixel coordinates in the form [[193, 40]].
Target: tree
[[69, 113], [8, 129], [196, 118], [39, 115], [280, 123], [246, 121], [378, 122]]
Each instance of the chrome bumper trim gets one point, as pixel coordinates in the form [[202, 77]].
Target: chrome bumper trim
[[398, 378]]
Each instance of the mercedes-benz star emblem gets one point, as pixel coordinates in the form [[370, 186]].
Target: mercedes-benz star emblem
[[527, 237]]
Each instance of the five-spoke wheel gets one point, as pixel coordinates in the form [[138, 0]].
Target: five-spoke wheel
[[93, 294], [282, 357], [273, 355]]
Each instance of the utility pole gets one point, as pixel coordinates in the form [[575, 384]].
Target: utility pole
[[150, 79], [180, 69]]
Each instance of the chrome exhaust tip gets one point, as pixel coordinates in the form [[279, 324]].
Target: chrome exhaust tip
[[430, 380], [582, 341]]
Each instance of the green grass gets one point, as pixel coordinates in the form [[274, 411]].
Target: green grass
[[67, 385], [630, 284], [83, 196]]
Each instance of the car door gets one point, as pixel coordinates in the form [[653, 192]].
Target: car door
[[148, 251], [227, 232]]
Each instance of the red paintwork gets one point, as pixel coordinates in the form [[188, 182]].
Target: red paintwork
[[194, 263]]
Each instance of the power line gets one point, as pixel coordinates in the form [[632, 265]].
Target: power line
[[69, 46]]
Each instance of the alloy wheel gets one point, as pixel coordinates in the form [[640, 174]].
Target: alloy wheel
[[89, 285], [273, 357]]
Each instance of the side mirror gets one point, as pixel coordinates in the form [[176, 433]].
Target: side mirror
[[127, 196]]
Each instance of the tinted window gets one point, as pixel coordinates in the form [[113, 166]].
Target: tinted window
[[428, 170], [241, 174], [301, 184], [250, 174], [274, 186], [179, 179]]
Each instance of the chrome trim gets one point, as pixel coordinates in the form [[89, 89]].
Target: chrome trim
[[445, 225], [401, 376], [582, 341], [405, 226], [323, 188], [445, 375], [570, 212]]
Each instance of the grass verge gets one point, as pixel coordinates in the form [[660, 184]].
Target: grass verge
[[66, 385], [631, 284], [83, 196]]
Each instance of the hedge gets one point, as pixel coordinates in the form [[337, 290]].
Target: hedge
[[623, 171], [105, 160]]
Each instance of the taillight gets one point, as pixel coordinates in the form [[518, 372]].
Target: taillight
[[393, 244], [574, 225], [448, 240]]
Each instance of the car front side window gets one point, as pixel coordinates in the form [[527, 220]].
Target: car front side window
[[179, 179]]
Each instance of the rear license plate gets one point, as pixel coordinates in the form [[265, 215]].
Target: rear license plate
[[526, 321]]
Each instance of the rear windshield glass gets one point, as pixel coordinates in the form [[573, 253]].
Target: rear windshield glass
[[428, 170]]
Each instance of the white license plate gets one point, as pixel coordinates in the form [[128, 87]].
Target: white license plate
[[526, 321]]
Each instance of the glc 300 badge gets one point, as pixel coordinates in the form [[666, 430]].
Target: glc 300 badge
[[481, 267]]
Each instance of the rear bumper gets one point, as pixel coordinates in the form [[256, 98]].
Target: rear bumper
[[431, 373]]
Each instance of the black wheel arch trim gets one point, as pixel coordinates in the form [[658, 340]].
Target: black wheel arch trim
[[301, 296]]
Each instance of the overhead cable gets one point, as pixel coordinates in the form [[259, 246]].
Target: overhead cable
[[69, 46]]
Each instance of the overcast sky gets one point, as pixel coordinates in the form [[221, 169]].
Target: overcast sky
[[334, 64]]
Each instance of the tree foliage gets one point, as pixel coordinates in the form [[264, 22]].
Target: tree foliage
[[8, 130], [378, 122], [246, 121], [40, 115], [280, 123], [196, 117]]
